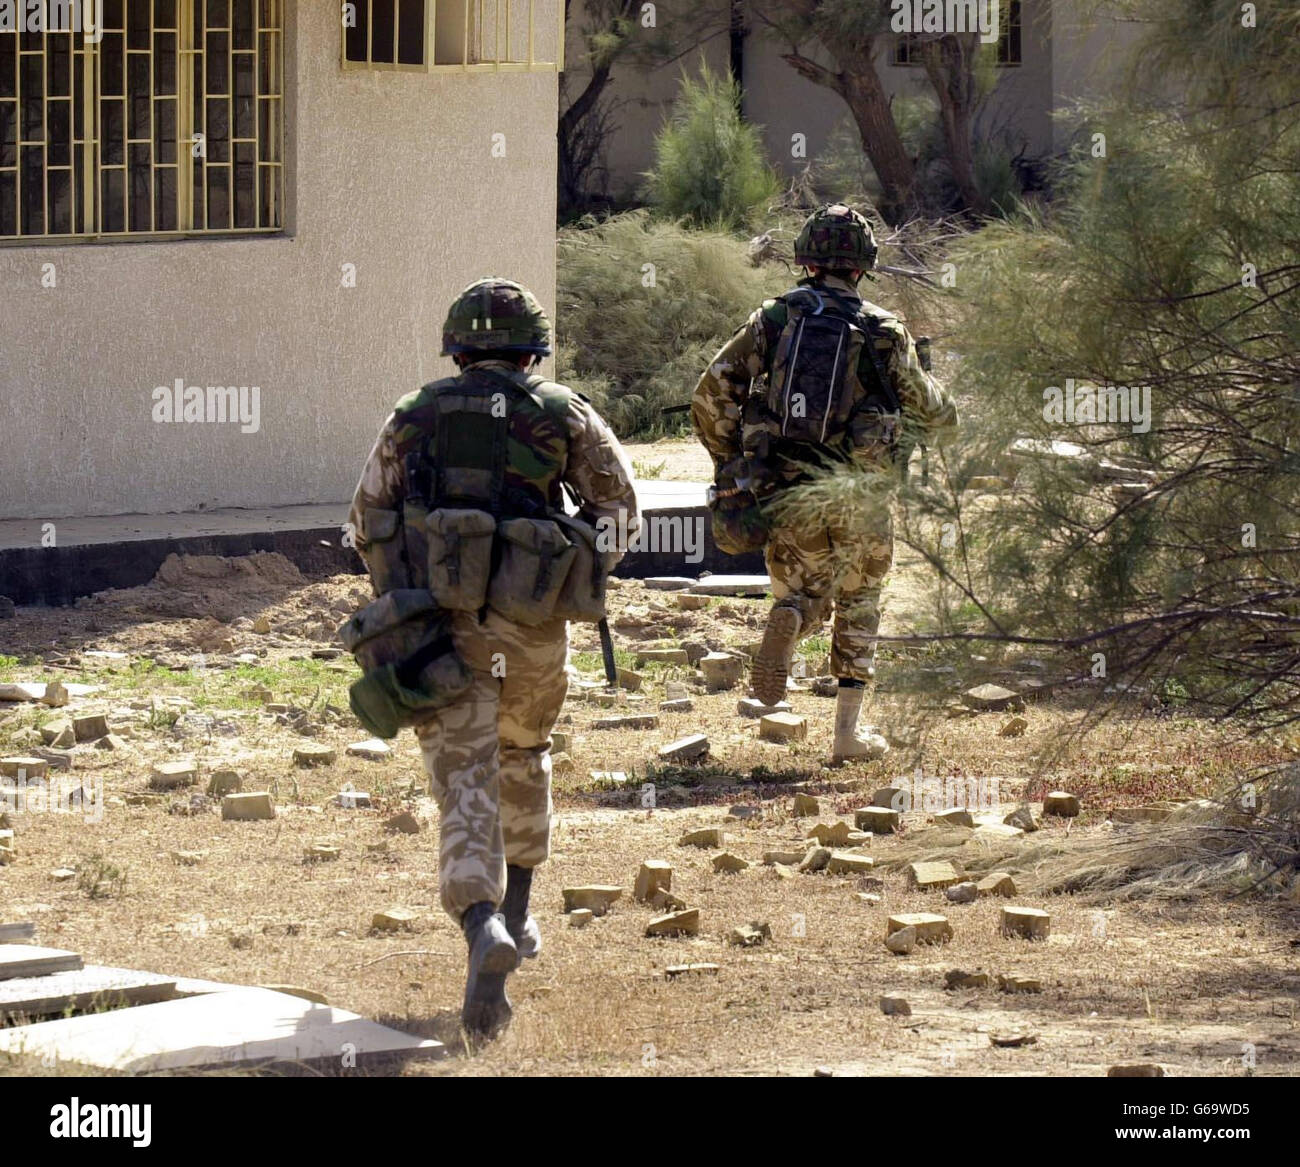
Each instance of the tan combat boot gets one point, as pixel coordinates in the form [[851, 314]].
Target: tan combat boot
[[852, 743], [772, 665]]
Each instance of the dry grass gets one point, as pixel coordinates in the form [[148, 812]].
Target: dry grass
[[1187, 982]]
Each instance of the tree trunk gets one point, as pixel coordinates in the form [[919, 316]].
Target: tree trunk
[[881, 141], [950, 66], [571, 190], [859, 84]]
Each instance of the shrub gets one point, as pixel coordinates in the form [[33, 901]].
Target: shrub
[[710, 169], [643, 305]]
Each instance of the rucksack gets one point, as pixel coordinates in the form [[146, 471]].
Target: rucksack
[[824, 368]]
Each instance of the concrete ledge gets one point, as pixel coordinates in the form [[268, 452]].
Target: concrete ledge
[[122, 551]]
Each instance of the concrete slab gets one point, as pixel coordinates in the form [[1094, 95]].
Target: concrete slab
[[95, 986], [733, 585], [30, 960], [244, 1027], [24, 931]]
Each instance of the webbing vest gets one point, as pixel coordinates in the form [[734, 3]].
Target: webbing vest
[[487, 439]]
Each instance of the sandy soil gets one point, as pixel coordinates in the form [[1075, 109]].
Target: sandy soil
[[1206, 986]]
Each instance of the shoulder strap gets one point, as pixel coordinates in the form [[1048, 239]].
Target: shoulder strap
[[880, 374]]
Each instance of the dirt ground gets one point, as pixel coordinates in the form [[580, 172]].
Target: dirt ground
[[188, 665], [671, 460]]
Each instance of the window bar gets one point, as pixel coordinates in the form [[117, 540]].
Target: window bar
[[530, 30], [184, 120], [48, 129], [256, 57], [201, 114], [464, 52], [90, 137], [153, 159], [232, 197]]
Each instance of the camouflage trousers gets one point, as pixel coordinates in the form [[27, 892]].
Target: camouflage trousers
[[488, 756], [840, 568]]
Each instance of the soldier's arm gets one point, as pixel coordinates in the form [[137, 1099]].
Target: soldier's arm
[[927, 406], [722, 391], [380, 488], [599, 470]]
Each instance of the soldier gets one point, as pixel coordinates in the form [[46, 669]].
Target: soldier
[[817, 379], [461, 495]]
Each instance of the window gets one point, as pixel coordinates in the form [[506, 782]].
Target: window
[[907, 46], [419, 35], [385, 32], [170, 124], [907, 50], [1009, 34]]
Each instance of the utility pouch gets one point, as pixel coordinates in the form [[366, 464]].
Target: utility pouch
[[403, 644], [386, 557], [582, 597], [416, 539], [536, 559], [738, 522], [460, 557]]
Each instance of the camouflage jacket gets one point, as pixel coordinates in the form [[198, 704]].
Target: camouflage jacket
[[741, 368], [595, 466]]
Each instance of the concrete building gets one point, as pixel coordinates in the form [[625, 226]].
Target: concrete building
[[229, 195], [1050, 53]]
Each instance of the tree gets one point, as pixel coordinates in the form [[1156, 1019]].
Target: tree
[[1163, 535], [950, 62], [613, 31], [847, 32]]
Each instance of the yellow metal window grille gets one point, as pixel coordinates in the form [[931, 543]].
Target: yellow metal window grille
[[453, 35], [165, 120]]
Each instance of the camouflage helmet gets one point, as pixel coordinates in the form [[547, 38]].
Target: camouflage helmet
[[495, 314], [835, 236]]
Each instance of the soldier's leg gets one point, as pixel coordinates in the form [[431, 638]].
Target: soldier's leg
[[460, 750], [533, 685], [798, 563], [862, 558], [459, 745]]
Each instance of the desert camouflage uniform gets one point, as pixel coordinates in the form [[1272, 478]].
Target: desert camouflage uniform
[[488, 754], [839, 564]]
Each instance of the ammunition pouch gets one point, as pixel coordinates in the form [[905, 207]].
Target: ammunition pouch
[[460, 557], [535, 562], [403, 644], [582, 597], [386, 554]]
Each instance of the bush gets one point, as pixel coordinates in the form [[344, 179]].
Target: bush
[[643, 305], [710, 169]]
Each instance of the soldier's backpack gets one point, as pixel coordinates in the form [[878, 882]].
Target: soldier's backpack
[[824, 368]]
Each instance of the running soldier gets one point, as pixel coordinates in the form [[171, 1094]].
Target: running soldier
[[460, 519], [814, 380]]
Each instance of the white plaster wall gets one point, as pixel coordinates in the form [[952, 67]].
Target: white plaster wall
[[1091, 56], [390, 171]]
